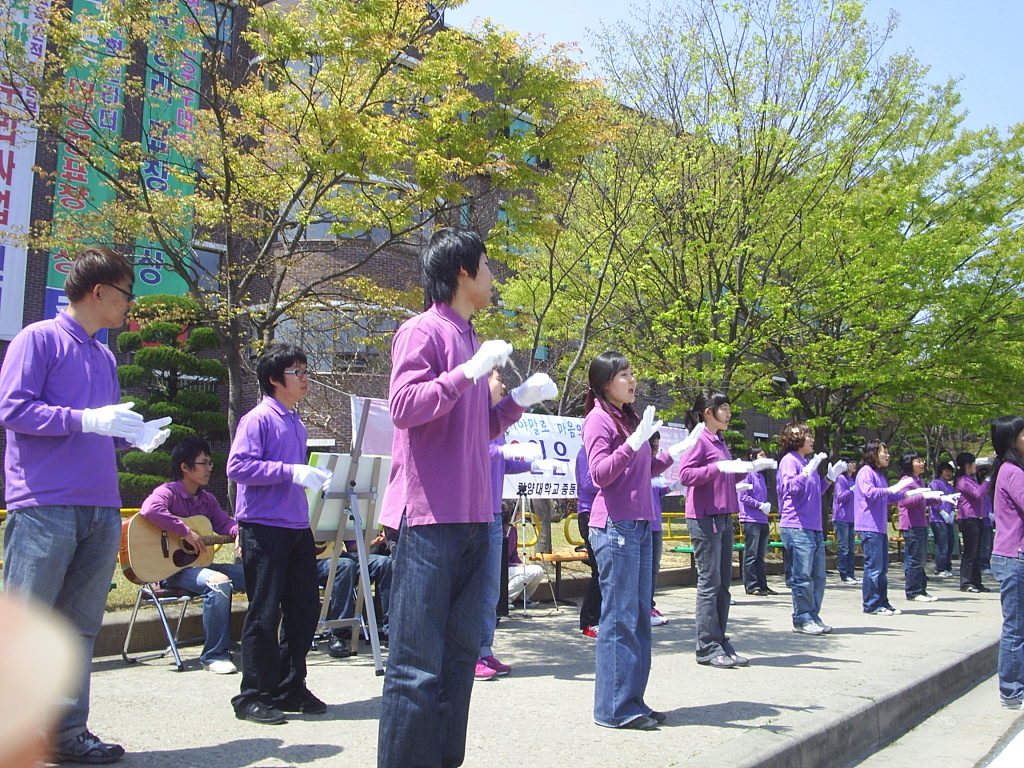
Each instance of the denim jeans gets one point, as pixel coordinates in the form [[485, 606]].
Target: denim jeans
[[623, 665], [755, 547], [435, 638], [944, 535], [656, 545], [63, 556], [216, 604], [970, 553], [845, 544], [590, 608], [914, 558], [346, 576], [490, 578], [712, 552], [806, 551], [1010, 572], [875, 584]]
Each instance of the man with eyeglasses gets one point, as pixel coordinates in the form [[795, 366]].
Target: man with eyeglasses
[[184, 498]]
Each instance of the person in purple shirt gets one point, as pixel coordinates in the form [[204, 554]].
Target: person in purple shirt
[[59, 402], [660, 486], [941, 518], [913, 513], [1008, 553], [872, 496], [987, 520], [438, 502], [842, 524], [754, 509], [586, 492], [268, 462], [186, 497], [969, 512]]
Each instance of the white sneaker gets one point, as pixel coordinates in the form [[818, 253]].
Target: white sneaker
[[657, 618], [887, 612], [220, 667], [924, 598], [851, 580], [810, 628]]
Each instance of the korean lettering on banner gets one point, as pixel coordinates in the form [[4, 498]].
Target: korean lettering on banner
[[25, 21], [560, 438]]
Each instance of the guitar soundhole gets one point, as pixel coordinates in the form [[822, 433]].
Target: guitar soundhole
[[183, 559]]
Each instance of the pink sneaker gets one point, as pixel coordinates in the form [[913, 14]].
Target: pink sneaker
[[657, 619], [499, 668], [483, 672]]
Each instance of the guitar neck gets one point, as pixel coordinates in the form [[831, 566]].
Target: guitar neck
[[211, 540]]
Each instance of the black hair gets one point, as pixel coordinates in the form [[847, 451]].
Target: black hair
[[450, 249], [96, 266], [947, 464], [271, 365], [755, 450], [603, 369], [870, 454], [962, 460], [1004, 432], [186, 452], [710, 398], [907, 462]]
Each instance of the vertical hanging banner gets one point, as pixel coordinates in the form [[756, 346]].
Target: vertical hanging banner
[[23, 22]]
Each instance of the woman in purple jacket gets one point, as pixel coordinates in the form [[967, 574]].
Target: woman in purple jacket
[[941, 520], [1008, 553], [969, 511], [914, 527], [842, 523], [754, 509], [621, 465]]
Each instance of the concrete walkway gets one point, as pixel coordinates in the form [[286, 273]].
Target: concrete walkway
[[803, 701]]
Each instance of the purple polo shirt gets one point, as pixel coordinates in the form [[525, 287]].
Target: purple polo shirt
[[657, 494], [440, 464], [1009, 510], [751, 501], [842, 499], [971, 493], [914, 510], [871, 499], [586, 491], [170, 502], [268, 441], [938, 484], [711, 492], [799, 494], [623, 478], [500, 466], [53, 370]]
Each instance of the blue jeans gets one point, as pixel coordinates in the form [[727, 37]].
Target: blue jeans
[[1010, 572], [490, 577], [623, 551], [656, 546], [63, 556], [712, 552], [755, 547], [216, 604], [945, 535], [806, 552], [875, 586], [845, 544], [435, 638], [346, 576], [914, 558]]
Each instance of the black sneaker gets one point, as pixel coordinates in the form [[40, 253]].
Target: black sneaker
[[259, 712], [641, 723], [339, 647], [86, 748], [303, 702]]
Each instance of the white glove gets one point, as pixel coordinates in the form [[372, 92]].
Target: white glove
[[916, 492], [660, 482], [734, 467], [901, 484], [492, 354], [152, 435], [766, 507], [984, 461], [760, 465], [930, 494], [951, 498], [744, 487], [113, 420], [676, 451], [535, 389], [648, 426], [310, 477], [548, 466], [812, 464], [947, 516], [835, 470], [522, 451]]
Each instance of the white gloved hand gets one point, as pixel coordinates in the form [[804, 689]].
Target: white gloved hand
[[950, 498], [916, 492], [648, 426], [902, 483], [984, 461], [835, 470], [493, 353], [117, 420], [946, 516], [310, 477], [535, 389], [548, 466], [734, 467], [930, 494], [744, 487], [522, 451], [660, 482], [813, 463], [766, 507], [152, 435], [676, 451], [760, 465]]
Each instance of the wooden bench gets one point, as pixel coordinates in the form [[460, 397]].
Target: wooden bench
[[570, 556]]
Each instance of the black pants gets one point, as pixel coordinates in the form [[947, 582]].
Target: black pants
[[281, 582], [970, 550], [590, 610]]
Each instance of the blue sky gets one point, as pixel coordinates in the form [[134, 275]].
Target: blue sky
[[977, 41]]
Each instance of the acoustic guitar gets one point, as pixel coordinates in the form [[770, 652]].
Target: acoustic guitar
[[149, 553]]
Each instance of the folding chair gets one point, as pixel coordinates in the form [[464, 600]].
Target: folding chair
[[155, 595]]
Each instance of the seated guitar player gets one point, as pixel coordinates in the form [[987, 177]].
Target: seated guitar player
[[166, 507]]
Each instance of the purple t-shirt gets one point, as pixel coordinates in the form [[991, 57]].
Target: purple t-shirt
[[170, 502], [971, 494], [842, 499], [1009, 510], [711, 492], [938, 484], [500, 466], [586, 491], [799, 494], [914, 510], [751, 501], [871, 499]]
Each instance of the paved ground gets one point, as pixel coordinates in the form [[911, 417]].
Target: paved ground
[[820, 701]]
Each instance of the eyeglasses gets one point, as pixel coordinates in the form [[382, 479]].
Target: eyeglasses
[[128, 294], [299, 374], [209, 464]]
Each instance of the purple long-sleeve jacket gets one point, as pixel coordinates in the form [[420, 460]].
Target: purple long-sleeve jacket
[[751, 501], [711, 492], [622, 476], [500, 466], [914, 509], [971, 494], [269, 440], [440, 465], [586, 491], [1009, 510], [799, 494], [934, 516], [52, 371], [170, 502], [871, 499], [842, 499]]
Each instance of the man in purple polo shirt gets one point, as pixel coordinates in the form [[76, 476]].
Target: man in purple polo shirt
[[438, 499], [59, 402], [268, 461]]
